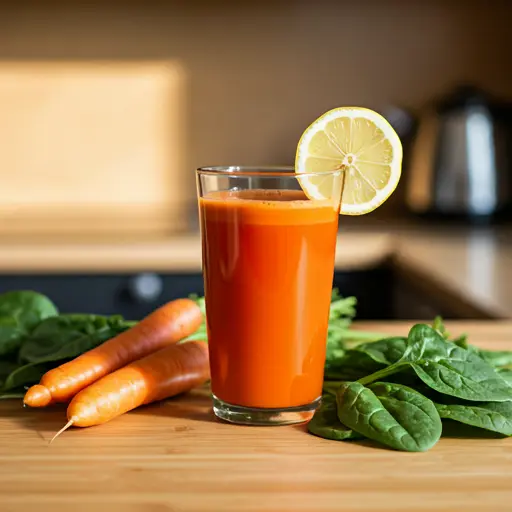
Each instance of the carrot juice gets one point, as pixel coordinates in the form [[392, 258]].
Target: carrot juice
[[268, 258]]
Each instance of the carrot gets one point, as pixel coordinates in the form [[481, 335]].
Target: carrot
[[165, 326], [163, 374]]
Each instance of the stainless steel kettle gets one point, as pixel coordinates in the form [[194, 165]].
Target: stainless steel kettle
[[460, 161]]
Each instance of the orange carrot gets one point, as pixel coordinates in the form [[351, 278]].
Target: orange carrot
[[163, 374], [165, 326]]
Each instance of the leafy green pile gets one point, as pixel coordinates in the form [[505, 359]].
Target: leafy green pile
[[401, 391], [34, 338]]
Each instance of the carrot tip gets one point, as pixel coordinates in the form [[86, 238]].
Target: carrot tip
[[65, 427], [37, 396]]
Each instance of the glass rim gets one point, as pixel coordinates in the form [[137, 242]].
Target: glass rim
[[279, 171]]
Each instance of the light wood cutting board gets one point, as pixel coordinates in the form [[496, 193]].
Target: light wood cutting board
[[92, 147]]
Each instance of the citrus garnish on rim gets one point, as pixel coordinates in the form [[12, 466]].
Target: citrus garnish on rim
[[358, 141]]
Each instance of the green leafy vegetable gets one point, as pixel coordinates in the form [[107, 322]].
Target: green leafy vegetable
[[506, 375], [325, 423], [352, 365], [28, 308], [330, 387], [386, 352], [24, 376], [67, 336], [366, 358], [462, 342], [452, 370], [342, 309], [6, 368], [493, 416], [12, 395], [340, 336], [10, 335], [20, 312], [447, 368], [427, 371], [390, 413], [497, 358], [438, 325]]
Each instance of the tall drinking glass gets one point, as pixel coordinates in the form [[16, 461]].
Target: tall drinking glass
[[268, 263]]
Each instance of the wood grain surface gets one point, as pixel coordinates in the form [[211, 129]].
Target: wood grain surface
[[93, 147], [175, 456]]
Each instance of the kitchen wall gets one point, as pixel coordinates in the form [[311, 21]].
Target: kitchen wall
[[259, 72]]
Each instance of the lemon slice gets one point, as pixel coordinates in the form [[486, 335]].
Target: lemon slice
[[358, 141]]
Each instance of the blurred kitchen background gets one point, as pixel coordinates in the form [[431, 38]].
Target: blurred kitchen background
[[108, 107]]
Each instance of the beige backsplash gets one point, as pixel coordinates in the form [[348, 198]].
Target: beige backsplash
[[260, 72]]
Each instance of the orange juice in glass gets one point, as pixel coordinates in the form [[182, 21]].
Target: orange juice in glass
[[268, 263]]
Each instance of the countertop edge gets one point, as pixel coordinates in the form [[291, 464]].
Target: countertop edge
[[470, 268]]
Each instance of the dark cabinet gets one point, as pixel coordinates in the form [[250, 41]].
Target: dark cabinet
[[382, 292], [131, 295]]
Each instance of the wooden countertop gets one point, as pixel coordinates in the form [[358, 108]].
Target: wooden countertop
[[475, 265], [175, 254], [175, 456]]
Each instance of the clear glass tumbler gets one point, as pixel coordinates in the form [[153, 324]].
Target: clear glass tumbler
[[268, 263]]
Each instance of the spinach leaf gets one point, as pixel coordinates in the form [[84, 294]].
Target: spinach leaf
[[469, 385], [394, 415], [330, 387], [28, 308], [67, 336], [447, 368], [462, 342], [496, 358], [24, 376], [366, 358], [506, 375], [386, 351], [452, 370], [339, 335], [10, 335], [342, 307], [20, 312], [493, 416], [325, 422], [6, 368], [352, 365], [335, 344], [426, 343], [438, 325], [14, 394]]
